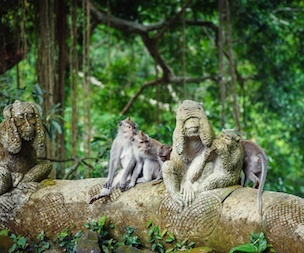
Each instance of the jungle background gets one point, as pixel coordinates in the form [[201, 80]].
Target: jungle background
[[89, 64]]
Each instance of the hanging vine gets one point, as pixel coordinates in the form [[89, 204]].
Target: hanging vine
[[86, 74], [221, 62], [232, 68], [46, 63], [74, 66]]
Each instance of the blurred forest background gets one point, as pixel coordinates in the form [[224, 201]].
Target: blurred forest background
[[89, 64]]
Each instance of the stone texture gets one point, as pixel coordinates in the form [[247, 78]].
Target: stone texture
[[220, 218]]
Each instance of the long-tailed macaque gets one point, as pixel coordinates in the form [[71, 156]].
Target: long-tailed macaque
[[164, 152], [146, 159], [120, 156], [255, 167]]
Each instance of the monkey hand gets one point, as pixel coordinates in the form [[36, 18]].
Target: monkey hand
[[188, 193], [130, 185], [107, 184], [123, 186]]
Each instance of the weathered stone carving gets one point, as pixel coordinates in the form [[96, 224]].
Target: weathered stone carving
[[21, 137], [192, 134], [200, 161], [221, 218]]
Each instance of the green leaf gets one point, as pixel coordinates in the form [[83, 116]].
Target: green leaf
[[78, 234], [41, 235], [169, 240], [153, 247], [172, 236], [87, 225], [190, 244], [150, 232], [149, 223], [105, 249], [4, 232], [169, 250], [102, 220], [156, 229], [247, 248], [184, 241], [14, 237], [164, 232], [22, 242], [13, 248]]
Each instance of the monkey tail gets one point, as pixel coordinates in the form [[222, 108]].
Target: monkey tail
[[264, 163]]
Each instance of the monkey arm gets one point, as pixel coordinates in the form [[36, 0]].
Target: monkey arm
[[115, 153], [39, 172], [198, 164], [172, 176], [135, 174]]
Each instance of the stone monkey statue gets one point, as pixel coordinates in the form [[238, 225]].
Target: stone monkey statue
[[255, 167], [192, 134], [120, 156], [146, 159], [21, 137], [225, 161]]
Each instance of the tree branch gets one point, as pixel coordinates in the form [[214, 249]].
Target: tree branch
[[122, 24], [131, 101], [171, 21], [172, 79]]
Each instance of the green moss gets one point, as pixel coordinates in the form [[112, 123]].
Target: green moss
[[48, 182]]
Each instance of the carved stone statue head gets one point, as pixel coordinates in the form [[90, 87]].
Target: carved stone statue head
[[21, 123]]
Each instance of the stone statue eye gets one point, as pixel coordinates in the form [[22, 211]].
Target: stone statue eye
[[30, 115]]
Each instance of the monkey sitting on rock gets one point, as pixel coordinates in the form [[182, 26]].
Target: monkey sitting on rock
[[120, 156], [146, 160]]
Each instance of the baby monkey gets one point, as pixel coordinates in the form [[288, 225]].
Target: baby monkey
[[164, 152], [255, 167], [120, 156]]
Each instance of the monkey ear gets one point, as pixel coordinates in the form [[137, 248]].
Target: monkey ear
[[39, 139], [10, 138]]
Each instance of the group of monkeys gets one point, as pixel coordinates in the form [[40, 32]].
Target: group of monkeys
[[140, 159]]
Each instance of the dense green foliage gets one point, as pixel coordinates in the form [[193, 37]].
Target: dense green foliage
[[268, 44], [67, 241]]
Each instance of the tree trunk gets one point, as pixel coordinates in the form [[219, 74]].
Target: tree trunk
[[221, 218]]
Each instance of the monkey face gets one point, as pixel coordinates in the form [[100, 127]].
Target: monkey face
[[129, 130], [143, 145], [164, 152], [25, 121], [191, 127]]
